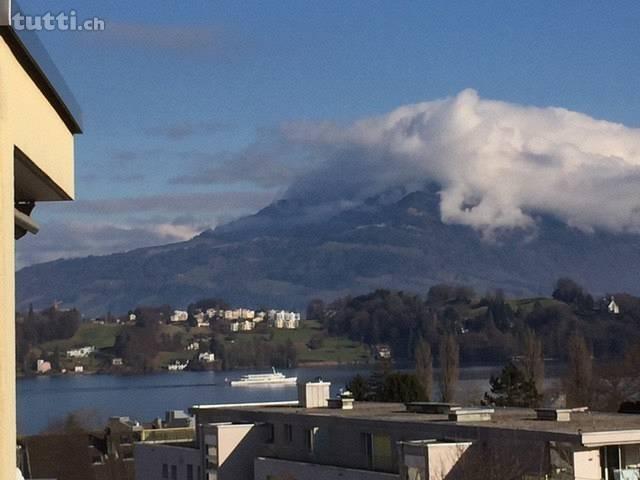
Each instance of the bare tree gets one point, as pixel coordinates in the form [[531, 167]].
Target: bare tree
[[449, 367], [533, 359], [579, 377], [424, 367]]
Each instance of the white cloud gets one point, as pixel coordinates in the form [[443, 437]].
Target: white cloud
[[498, 164]]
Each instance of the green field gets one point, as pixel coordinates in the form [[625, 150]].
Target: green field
[[100, 336], [333, 349]]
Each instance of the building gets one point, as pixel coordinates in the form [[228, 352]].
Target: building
[[246, 326], [283, 319], [38, 121], [613, 307], [234, 326], [179, 316], [308, 440], [117, 362], [78, 369], [82, 352], [43, 366], [207, 357]]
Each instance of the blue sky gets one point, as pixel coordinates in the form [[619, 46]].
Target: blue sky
[[173, 89]]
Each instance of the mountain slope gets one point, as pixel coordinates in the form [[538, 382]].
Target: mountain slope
[[293, 251]]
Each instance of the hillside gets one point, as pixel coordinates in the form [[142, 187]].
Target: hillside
[[292, 251]]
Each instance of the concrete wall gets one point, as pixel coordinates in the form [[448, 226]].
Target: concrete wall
[[274, 469], [150, 459]]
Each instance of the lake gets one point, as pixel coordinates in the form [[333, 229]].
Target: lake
[[44, 399]]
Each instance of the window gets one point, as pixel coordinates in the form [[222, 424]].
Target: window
[[310, 438], [288, 433], [366, 448], [189, 472], [174, 472], [270, 433], [165, 470]]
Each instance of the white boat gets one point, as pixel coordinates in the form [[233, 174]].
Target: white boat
[[273, 378]]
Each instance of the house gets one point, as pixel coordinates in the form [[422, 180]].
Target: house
[[211, 312], [78, 369], [193, 346], [43, 366], [613, 307], [382, 352], [234, 326], [81, 352], [179, 316], [177, 366], [207, 357], [246, 326], [117, 362]]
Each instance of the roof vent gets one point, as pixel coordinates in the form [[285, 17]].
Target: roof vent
[[314, 394], [432, 408], [344, 401], [471, 414], [558, 414]]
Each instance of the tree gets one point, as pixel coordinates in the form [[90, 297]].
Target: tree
[[359, 387], [513, 388], [533, 359], [424, 367], [579, 375], [449, 367], [401, 387]]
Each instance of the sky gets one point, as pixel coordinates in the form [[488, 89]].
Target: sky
[[201, 111]]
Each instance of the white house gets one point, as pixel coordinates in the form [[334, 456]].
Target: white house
[[193, 346], [207, 357], [246, 326], [81, 352], [613, 307], [234, 326], [179, 316]]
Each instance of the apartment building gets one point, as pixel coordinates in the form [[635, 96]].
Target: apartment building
[[308, 440], [38, 121]]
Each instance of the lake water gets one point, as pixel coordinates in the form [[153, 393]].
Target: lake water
[[42, 400]]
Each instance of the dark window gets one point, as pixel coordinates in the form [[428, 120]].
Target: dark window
[[288, 433], [366, 447], [270, 433], [310, 438], [174, 472], [189, 472], [165, 470]]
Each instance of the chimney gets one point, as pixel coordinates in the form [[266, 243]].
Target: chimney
[[314, 394], [344, 401]]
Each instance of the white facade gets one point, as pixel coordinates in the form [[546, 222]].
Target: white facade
[[81, 352], [246, 326], [179, 316], [613, 307], [207, 357]]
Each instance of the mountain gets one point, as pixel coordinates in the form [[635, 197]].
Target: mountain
[[293, 251]]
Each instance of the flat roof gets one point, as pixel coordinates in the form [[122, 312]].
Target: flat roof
[[502, 418]]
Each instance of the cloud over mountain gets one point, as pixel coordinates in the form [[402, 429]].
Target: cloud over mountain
[[498, 164]]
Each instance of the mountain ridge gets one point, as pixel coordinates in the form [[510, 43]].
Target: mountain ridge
[[294, 250]]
